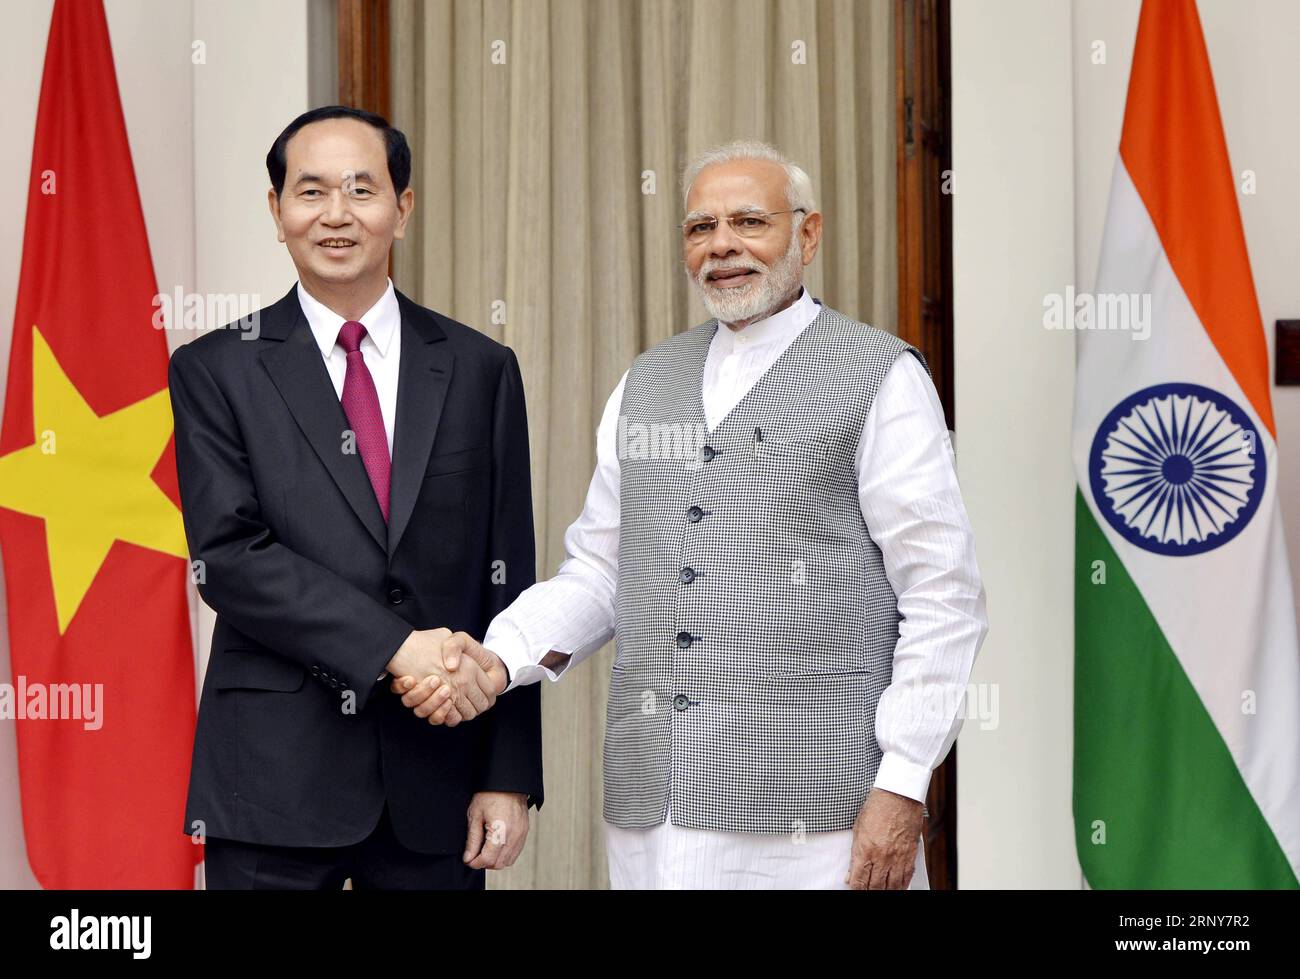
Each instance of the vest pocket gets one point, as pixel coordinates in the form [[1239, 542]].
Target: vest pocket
[[765, 446], [796, 674]]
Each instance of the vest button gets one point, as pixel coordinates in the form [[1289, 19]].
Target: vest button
[[708, 453], [694, 514], [687, 576], [681, 702], [684, 640], [395, 596]]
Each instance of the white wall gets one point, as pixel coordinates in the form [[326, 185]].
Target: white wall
[[1036, 129], [1013, 242], [199, 134], [253, 83]]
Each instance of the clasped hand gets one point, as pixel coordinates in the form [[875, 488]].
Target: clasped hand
[[446, 677]]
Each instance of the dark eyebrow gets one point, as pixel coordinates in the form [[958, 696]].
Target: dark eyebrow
[[311, 178]]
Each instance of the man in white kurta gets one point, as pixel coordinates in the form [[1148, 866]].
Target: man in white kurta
[[904, 455]]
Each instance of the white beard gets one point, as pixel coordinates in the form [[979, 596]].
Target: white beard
[[758, 299]]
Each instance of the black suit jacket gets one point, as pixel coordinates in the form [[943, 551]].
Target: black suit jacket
[[297, 745]]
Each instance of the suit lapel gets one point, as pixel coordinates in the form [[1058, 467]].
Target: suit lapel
[[423, 378], [300, 375]]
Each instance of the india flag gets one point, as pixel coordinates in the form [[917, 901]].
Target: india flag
[[1187, 670]]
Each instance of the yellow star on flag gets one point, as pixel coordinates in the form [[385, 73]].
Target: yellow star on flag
[[89, 478]]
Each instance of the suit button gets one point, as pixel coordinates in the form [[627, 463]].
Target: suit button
[[708, 453], [694, 514], [681, 702], [687, 576], [395, 596], [684, 640]]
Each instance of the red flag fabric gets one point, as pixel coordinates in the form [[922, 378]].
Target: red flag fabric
[[94, 549]]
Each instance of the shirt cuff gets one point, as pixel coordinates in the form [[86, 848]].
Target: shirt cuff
[[513, 649], [903, 777]]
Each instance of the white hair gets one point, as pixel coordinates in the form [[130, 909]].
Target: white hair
[[798, 188]]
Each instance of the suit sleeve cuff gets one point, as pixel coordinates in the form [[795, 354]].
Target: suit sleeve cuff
[[397, 632], [903, 777]]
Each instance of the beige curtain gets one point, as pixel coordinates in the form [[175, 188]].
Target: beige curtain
[[548, 138]]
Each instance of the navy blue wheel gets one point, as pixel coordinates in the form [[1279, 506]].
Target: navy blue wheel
[[1177, 469]]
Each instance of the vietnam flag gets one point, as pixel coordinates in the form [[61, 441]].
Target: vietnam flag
[[94, 549], [1187, 669]]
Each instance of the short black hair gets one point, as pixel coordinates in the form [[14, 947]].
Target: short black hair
[[399, 153]]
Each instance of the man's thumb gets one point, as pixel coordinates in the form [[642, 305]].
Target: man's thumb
[[474, 842], [451, 654], [483, 656]]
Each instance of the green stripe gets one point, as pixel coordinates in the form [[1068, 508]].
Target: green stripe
[[1149, 762]]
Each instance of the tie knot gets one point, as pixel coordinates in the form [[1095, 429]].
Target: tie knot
[[350, 336]]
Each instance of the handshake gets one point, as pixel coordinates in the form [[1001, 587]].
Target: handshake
[[446, 677]]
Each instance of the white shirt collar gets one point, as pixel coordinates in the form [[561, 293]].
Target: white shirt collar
[[783, 325], [381, 320]]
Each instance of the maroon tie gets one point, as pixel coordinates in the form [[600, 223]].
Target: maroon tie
[[361, 405]]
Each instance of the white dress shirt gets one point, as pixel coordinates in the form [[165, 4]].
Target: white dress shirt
[[381, 351], [381, 347], [912, 507]]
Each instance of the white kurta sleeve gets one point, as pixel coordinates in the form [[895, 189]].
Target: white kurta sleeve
[[907, 489], [574, 611]]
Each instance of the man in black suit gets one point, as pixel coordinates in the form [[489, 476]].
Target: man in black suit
[[353, 473]]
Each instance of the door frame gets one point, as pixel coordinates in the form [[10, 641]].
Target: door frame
[[922, 50]]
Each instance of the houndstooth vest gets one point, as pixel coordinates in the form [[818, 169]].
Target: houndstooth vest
[[755, 625]]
